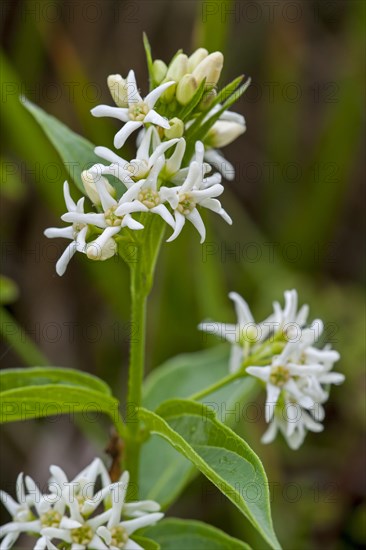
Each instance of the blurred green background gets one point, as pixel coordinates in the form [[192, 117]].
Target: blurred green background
[[298, 223]]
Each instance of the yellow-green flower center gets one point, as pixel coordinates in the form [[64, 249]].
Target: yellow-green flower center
[[119, 536], [279, 376], [149, 198], [82, 535], [50, 519], [186, 204], [138, 111], [111, 219]]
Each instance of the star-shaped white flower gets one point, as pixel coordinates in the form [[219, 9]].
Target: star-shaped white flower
[[108, 220], [149, 151], [138, 113], [185, 199], [116, 534], [244, 335], [75, 232], [282, 376], [49, 512]]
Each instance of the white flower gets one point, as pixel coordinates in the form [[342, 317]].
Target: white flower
[[148, 152], [76, 232], [145, 196], [223, 132], [185, 199], [108, 220], [244, 336], [49, 510], [282, 376], [116, 534], [138, 113], [293, 422]]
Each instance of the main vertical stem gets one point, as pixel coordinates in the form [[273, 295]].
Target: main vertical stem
[[136, 373]]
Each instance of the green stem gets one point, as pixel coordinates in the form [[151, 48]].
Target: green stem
[[136, 374], [214, 387]]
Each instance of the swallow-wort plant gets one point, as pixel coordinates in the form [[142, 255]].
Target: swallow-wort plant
[[174, 428]]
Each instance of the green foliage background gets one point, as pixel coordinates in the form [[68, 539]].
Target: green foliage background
[[297, 209]]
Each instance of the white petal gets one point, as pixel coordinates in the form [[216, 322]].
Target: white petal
[[66, 256], [193, 178], [59, 232], [243, 312], [220, 163], [154, 95], [173, 163], [9, 503], [132, 545], [8, 541], [132, 90], [154, 117], [125, 132], [332, 378], [70, 204], [131, 223], [110, 156], [180, 220], [160, 150], [133, 525], [195, 218], [142, 506], [118, 494], [236, 358], [121, 113], [92, 218], [273, 393], [210, 192], [270, 434], [259, 372], [164, 213]]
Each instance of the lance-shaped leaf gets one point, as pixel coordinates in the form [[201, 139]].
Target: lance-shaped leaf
[[36, 376], [174, 533], [54, 399], [220, 454], [163, 480]]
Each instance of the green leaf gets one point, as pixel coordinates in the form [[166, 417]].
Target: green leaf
[[174, 534], [164, 479], [9, 290], [54, 399], [38, 376], [75, 151], [146, 543], [221, 455]]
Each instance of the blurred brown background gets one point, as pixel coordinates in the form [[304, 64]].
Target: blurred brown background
[[297, 204]]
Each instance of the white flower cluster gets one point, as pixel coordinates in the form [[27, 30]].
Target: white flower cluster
[[281, 353], [159, 180], [73, 514]]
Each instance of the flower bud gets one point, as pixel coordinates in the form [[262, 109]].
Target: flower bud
[[196, 58], [88, 178], [177, 68], [186, 89], [159, 70], [210, 68], [207, 99], [118, 88], [95, 251], [223, 132], [176, 129]]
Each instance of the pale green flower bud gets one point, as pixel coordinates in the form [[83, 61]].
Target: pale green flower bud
[[177, 68], [196, 58], [159, 70], [186, 89], [210, 68], [88, 180], [95, 251], [176, 129], [207, 99], [118, 88], [169, 94], [223, 132]]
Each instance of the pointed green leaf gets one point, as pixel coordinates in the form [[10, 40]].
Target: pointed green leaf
[[164, 479], [38, 376], [174, 534], [146, 544], [221, 455], [149, 60], [188, 109], [54, 399]]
